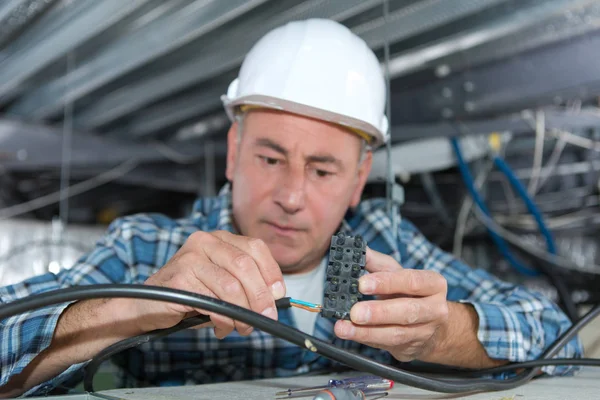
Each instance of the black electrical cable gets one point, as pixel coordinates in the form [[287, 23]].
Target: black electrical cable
[[564, 295], [565, 300], [588, 362], [287, 333], [447, 370], [91, 369]]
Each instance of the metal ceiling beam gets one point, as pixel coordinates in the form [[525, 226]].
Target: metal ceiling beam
[[162, 116], [54, 19], [514, 123], [138, 48], [568, 70], [523, 18], [216, 57], [16, 14], [92, 18], [403, 23], [579, 20], [28, 146], [203, 128], [7, 8], [419, 17]]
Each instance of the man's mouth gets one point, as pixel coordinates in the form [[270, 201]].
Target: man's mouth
[[283, 229]]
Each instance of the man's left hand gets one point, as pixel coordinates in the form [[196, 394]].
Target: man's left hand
[[410, 313]]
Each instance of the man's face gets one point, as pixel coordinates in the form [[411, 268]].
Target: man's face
[[293, 178]]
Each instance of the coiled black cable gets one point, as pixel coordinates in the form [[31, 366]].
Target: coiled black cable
[[285, 332], [91, 369]]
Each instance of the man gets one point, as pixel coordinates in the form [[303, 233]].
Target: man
[[306, 110]]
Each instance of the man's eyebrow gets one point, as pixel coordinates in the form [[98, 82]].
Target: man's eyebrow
[[324, 158], [318, 158], [264, 142]]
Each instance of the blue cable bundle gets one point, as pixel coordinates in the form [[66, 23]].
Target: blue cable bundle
[[531, 207]]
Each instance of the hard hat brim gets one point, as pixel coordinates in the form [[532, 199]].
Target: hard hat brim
[[371, 134]]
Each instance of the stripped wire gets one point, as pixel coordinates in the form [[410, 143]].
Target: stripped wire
[[305, 305]]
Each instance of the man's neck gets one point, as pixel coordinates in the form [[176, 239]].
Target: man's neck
[[303, 269]]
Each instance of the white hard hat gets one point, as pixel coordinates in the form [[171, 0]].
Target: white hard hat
[[316, 68]]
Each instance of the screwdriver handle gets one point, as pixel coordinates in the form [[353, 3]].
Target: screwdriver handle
[[336, 393], [367, 383]]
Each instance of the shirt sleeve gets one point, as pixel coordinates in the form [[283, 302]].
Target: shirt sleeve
[[515, 323], [24, 336]]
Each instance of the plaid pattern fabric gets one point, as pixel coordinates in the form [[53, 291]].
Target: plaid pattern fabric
[[514, 323]]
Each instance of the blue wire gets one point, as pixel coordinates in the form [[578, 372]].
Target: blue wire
[[304, 303], [500, 243], [533, 210]]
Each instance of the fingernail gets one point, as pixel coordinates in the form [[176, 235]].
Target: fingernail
[[360, 314], [270, 313], [366, 285], [247, 331], [278, 290], [346, 329], [219, 333]]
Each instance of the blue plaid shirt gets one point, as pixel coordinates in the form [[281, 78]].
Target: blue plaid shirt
[[514, 323]]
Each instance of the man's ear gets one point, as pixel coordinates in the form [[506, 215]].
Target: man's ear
[[232, 147], [363, 173]]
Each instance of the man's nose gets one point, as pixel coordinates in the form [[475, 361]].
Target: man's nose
[[290, 195]]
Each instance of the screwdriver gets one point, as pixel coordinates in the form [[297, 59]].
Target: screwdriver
[[345, 394], [366, 384]]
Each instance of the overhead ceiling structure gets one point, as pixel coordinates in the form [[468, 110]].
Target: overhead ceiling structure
[[126, 73]]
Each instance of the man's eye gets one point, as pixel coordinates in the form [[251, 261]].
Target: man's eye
[[322, 174], [269, 160]]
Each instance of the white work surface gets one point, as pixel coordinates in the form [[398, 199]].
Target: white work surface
[[586, 385]]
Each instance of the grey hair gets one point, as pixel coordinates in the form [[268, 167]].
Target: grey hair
[[240, 118]]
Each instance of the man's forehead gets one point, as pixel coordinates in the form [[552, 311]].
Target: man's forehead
[[281, 125]]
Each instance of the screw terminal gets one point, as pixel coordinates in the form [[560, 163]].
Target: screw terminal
[[347, 257]]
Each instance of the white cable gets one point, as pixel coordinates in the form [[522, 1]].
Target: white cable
[[84, 186], [551, 164], [519, 242], [538, 155], [527, 222], [392, 208], [465, 210], [577, 140], [65, 168]]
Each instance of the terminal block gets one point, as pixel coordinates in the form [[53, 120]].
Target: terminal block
[[346, 264]]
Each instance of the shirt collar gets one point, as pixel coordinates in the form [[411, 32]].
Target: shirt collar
[[215, 213]]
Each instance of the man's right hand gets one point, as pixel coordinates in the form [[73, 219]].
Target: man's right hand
[[236, 269], [233, 268]]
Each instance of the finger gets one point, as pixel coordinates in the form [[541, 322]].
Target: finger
[[227, 288], [220, 333], [401, 311], [182, 282], [269, 269], [385, 336], [409, 282], [248, 277], [378, 262]]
